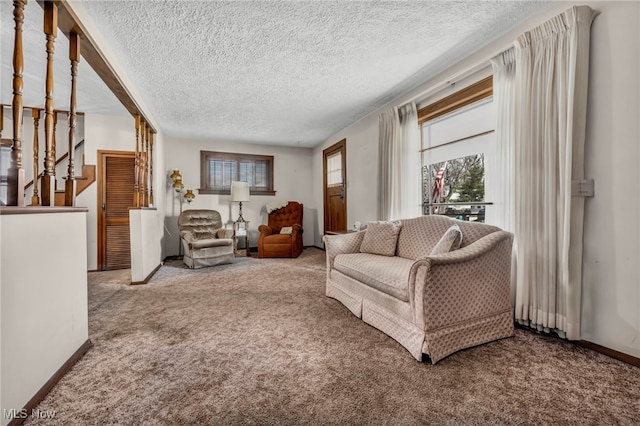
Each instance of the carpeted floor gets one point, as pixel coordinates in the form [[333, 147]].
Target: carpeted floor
[[257, 342]]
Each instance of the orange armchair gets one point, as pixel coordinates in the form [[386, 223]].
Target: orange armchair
[[272, 243]]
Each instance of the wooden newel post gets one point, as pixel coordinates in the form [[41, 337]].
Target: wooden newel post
[[151, 203], [70, 183], [35, 114], [15, 174], [136, 177], [48, 178]]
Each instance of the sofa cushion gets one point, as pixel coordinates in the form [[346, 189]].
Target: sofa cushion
[[212, 242], [390, 275], [381, 238], [286, 230], [277, 239], [450, 241]]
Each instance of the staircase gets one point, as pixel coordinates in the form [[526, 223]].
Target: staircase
[[83, 181]]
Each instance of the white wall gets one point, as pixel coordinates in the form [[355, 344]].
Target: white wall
[[44, 307], [146, 242], [611, 271], [292, 181], [611, 294]]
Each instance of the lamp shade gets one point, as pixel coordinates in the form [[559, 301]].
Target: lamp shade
[[178, 186], [189, 196], [239, 191], [175, 175]]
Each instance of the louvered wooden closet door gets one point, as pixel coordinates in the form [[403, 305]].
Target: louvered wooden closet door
[[117, 175]]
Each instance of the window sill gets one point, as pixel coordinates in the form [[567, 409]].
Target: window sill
[[228, 192]]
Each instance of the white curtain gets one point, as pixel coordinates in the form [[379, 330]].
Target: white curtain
[[399, 163], [551, 74], [502, 212]]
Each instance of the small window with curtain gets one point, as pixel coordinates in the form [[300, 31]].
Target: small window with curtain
[[219, 169]]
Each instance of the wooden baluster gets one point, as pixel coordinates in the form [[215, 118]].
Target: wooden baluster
[[53, 151], [136, 178], [35, 199], [70, 183], [48, 178], [15, 174], [146, 167], [151, 169], [142, 161]]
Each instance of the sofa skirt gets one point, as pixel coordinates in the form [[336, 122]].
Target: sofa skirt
[[386, 313], [396, 319]]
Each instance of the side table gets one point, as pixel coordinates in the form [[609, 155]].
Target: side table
[[240, 232]]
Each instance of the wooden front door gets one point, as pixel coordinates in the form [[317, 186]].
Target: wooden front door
[[335, 188], [116, 171]]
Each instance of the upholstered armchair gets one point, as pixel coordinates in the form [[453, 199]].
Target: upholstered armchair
[[276, 242], [204, 240]]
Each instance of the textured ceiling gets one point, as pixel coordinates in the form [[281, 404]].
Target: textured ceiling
[[287, 72]]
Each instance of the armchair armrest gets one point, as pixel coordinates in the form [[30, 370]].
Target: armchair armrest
[[297, 229], [187, 236], [342, 243], [472, 282], [224, 233], [264, 230]]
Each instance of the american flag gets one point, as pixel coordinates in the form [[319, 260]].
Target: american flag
[[438, 185]]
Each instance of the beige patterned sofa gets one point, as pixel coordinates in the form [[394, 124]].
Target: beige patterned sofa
[[433, 304]]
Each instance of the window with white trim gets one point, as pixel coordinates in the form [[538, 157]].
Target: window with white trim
[[457, 152], [219, 169]]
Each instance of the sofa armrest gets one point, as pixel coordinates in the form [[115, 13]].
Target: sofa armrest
[[470, 283], [341, 243]]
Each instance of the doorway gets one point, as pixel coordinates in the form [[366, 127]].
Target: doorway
[[335, 188], [116, 173]]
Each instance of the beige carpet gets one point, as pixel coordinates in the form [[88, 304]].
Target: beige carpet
[[258, 343]]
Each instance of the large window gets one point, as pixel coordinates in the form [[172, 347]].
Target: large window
[[219, 169], [458, 146]]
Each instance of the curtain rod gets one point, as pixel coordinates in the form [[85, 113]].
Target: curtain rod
[[457, 77], [457, 140]]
